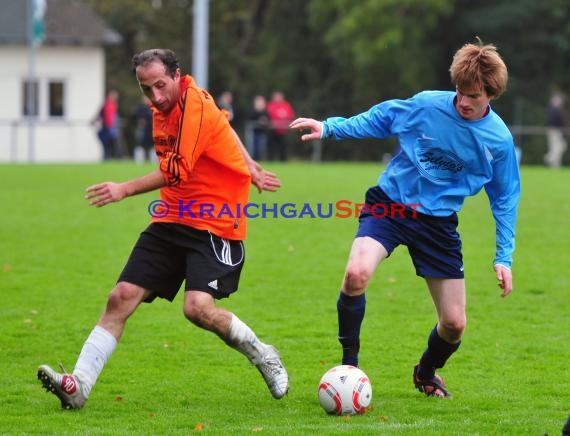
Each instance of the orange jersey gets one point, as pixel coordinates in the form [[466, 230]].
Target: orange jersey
[[207, 179]]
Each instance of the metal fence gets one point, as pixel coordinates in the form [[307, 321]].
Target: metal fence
[[22, 140]]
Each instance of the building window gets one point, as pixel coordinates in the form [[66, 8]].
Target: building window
[[56, 94], [30, 98]]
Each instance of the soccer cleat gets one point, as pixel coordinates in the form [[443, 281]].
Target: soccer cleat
[[434, 387], [66, 387], [273, 372]]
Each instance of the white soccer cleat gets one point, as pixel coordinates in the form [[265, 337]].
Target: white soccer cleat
[[66, 387], [273, 372]]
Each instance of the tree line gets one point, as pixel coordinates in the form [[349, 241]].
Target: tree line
[[339, 57]]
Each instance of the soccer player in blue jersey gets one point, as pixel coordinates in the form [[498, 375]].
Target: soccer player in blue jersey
[[452, 144]]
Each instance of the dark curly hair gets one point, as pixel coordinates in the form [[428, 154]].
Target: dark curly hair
[[163, 55]]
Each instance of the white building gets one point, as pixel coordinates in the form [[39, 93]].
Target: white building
[[67, 73]]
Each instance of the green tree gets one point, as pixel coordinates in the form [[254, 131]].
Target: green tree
[[381, 47], [334, 57]]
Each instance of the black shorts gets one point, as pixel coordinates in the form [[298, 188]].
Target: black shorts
[[167, 253], [433, 242]]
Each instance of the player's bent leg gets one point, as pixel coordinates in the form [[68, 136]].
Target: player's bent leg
[[365, 255], [444, 340], [200, 309], [449, 299], [121, 303], [74, 389]]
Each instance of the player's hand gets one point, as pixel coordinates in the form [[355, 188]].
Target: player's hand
[[262, 179], [505, 278], [104, 193], [315, 127]]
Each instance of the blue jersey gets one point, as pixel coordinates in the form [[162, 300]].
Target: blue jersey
[[443, 158]]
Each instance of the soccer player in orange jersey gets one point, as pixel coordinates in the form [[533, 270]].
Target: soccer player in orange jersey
[[201, 162]]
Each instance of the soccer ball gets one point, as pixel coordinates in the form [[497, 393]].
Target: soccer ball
[[345, 390]]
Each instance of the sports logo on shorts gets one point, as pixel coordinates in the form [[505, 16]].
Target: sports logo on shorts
[[228, 252]]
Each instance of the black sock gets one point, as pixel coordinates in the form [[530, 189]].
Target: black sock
[[350, 315], [566, 429], [435, 355]]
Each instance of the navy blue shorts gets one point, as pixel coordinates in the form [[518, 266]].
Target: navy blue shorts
[[433, 242], [166, 254]]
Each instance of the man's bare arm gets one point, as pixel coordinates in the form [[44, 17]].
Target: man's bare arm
[[111, 192]]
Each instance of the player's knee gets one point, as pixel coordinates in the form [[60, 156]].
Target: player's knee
[[195, 314], [190, 312], [123, 295], [454, 327], [356, 278]]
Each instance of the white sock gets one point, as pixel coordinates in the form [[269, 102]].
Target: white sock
[[243, 339], [95, 352]]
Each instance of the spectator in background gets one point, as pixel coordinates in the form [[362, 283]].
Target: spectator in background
[[226, 103], [555, 132], [258, 122], [281, 114], [108, 121], [144, 146]]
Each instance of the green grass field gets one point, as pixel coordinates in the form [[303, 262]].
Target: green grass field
[[59, 258]]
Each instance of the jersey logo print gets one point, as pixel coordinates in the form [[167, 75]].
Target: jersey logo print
[[428, 138], [438, 164], [224, 253]]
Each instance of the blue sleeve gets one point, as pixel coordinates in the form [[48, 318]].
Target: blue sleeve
[[504, 194], [380, 121]]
